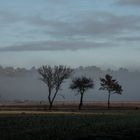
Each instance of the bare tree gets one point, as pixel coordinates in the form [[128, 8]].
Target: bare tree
[[53, 77], [81, 84], [111, 85]]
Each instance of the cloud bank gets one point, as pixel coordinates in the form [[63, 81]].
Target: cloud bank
[[80, 31], [129, 2]]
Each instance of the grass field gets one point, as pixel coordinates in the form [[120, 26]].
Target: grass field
[[37, 106], [69, 125]]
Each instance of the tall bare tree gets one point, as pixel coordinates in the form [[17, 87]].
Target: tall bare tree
[[81, 84], [111, 85], [53, 77]]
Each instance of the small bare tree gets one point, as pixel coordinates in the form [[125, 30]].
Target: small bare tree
[[53, 77], [111, 85], [81, 84]]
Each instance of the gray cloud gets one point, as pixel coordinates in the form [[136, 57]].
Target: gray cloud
[[54, 45], [8, 17], [130, 39], [76, 29], [129, 2], [57, 1], [88, 24], [39, 21]]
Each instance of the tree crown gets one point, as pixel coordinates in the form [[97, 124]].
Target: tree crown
[[110, 84], [82, 83], [54, 76]]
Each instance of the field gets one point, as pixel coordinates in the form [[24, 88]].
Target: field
[[64, 124]]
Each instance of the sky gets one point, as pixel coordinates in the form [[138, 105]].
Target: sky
[[104, 33]]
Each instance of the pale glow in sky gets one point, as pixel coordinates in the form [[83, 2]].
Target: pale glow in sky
[[70, 32]]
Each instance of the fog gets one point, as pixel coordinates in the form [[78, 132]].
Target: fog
[[22, 84]]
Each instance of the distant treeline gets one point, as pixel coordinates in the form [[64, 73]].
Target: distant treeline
[[11, 71]]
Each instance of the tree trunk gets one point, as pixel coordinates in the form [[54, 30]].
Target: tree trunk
[[81, 101], [49, 99], [54, 96], [109, 100], [50, 106]]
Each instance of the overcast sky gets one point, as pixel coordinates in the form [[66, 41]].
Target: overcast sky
[[104, 33]]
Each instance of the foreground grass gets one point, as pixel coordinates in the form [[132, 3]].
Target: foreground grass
[[100, 125]]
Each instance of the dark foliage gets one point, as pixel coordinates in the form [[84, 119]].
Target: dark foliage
[[111, 85], [81, 84]]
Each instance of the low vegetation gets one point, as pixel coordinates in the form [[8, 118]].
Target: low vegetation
[[102, 125]]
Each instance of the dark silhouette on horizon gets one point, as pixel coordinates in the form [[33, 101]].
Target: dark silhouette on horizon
[[53, 77], [81, 85], [111, 85]]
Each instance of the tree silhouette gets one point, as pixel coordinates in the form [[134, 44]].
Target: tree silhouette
[[111, 85], [81, 84], [53, 77]]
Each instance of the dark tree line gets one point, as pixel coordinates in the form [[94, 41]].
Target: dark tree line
[[55, 76]]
